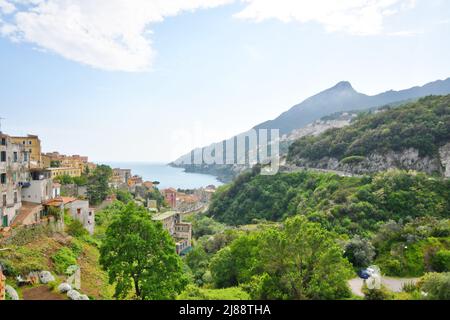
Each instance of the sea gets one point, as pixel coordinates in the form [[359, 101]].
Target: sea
[[168, 176]]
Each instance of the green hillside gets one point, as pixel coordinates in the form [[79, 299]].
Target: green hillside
[[346, 205], [423, 125]]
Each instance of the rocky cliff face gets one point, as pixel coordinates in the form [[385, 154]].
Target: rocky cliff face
[[406, 160], [444, 154]]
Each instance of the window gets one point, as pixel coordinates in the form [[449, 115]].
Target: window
[[15, 156], [25, 156], [30, 143], [3, 141], [15, 197], [3, 178], [3, 156], [4, 201], [79, 211]]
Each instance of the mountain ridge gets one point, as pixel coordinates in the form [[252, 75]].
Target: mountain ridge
[[341, 97]]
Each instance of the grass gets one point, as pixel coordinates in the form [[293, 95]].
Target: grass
[[195, 293], [55, 253]]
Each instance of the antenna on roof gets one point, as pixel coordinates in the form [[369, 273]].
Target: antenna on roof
[[1, 123]]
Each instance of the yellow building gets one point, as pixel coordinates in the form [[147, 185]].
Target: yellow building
[[71, 172], [32, 145], [64, 161]]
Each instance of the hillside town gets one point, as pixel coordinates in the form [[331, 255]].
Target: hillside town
[[45, 189], [33, 186]]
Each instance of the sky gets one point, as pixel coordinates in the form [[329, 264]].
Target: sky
[[149, 80]]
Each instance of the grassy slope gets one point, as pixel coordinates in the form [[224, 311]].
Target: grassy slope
[[37, 254]]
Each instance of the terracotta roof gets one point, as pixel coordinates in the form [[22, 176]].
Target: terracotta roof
[[61, 200], [26, 210]]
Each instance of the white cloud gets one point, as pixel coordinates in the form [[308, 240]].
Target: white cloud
[[357, 17], [115, 34], [105, 34], [6, 7]]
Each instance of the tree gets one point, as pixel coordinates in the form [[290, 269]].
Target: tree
[[139, 254], [360, 252], [98, 184], [299, 261], [304, 262], [124, 196], [64, 179], [197, 261]]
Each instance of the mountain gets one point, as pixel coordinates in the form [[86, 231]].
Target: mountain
[[414, 136], [342, 97]]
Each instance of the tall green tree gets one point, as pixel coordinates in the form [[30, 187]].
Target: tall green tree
[[299, 261], [139, 255], [98, 184]]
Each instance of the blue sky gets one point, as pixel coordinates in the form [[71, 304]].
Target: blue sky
[[149, 80]]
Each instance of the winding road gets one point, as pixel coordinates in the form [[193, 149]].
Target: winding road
[[393, 284]]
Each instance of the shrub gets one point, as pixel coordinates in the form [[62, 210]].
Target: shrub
[[360, 252], [441, 261], [76, 246], [377, 294], [436, 286], [353, 160], [76, 229], [63, 259], [195, 293]]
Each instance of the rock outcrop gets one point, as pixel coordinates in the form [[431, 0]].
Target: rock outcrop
[[444, 154], [406, 160]]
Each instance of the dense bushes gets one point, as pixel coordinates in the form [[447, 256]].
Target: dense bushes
[[413, 248], [423, 125], [436, 286], [196, 293], [346, 205], [63, 259]]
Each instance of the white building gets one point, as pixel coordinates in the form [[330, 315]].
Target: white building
[[14, 164], [79, 210], [40, 187]]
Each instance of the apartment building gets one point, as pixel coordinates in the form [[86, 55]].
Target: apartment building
[[55, 159], [180, 231], [64, 171], [120, 177], [14, 166], [32, 145]]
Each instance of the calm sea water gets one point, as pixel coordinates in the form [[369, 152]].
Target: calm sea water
[[168, 176]]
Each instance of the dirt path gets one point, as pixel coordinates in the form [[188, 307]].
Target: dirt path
[[393, 284], [41, 293]]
